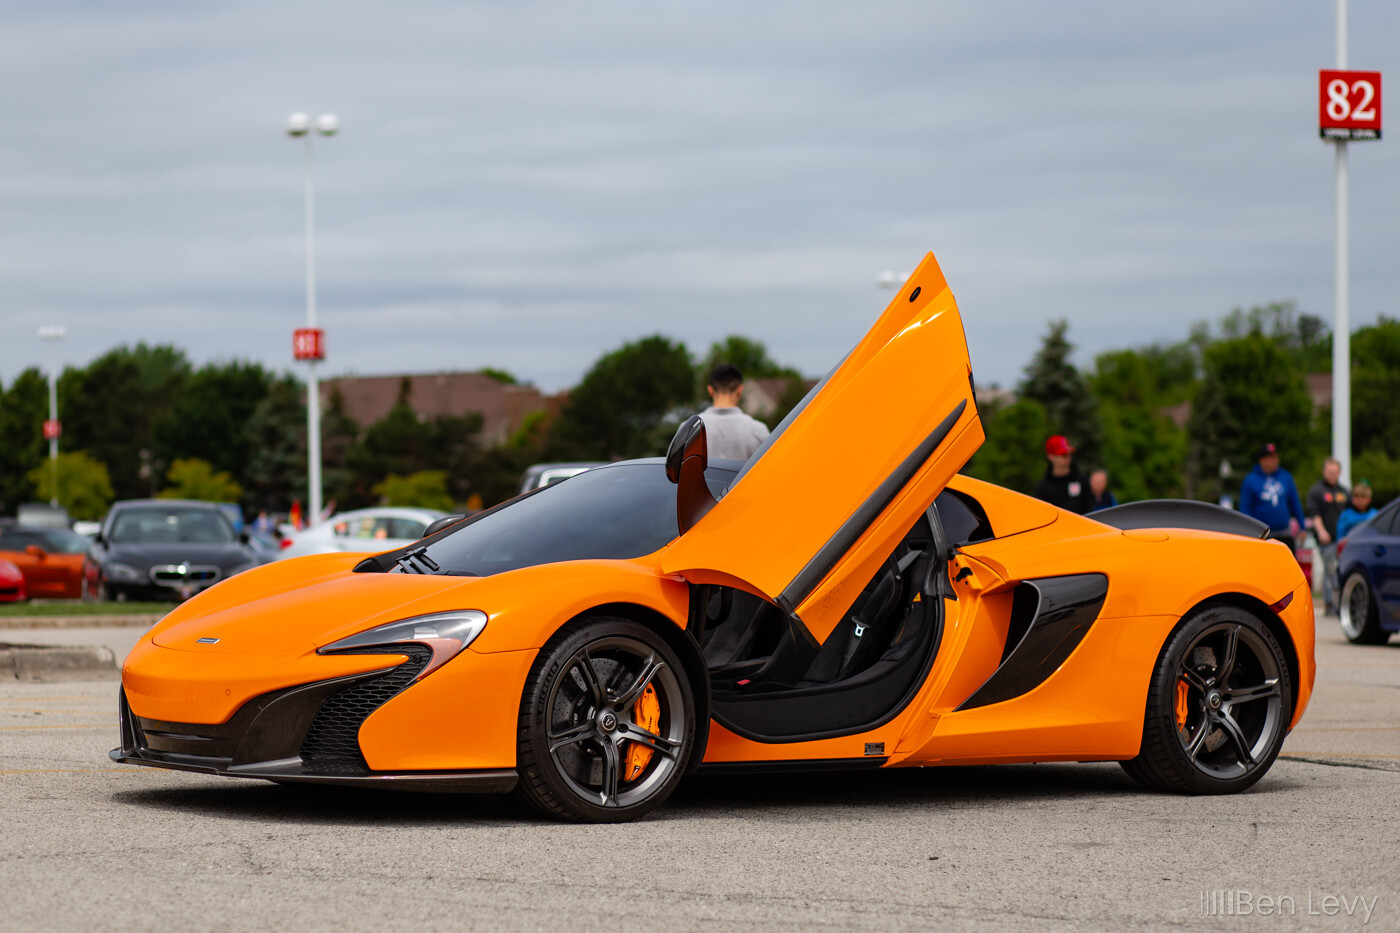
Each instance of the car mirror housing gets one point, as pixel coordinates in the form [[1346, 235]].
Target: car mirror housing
[[686, 460], [441, 523], [35, 551]]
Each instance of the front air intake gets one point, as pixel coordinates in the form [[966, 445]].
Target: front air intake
[[332, 744]]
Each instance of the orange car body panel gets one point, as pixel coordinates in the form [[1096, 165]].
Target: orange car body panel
[[760, 537], [778, 514], [48, 575]]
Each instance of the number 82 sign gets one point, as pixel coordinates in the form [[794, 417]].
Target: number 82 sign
[[1349, 105]]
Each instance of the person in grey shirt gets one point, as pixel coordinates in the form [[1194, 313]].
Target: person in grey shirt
[[730, 434]]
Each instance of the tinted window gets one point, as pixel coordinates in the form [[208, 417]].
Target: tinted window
[[612, 513], [173, 525], [19, 540], [964, 520], [406, 528], [63, 541]]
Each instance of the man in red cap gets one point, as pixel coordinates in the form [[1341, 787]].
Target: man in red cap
[[1063, 485]]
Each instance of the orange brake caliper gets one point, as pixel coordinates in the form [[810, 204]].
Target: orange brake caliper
[[646, 713], [1182, 710]]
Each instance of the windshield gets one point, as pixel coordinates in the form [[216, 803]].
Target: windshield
[[172, 525], [612, 513], [66, 542]]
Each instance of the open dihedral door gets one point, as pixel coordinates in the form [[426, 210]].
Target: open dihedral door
[[817, 510]]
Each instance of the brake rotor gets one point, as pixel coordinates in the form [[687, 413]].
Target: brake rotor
[[646, 713]]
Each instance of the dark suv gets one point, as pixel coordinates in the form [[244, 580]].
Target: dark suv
[[163, 549]]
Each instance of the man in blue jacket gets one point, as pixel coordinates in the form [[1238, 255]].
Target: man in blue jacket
[[1269, 494]]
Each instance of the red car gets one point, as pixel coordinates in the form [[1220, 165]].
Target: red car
[[11, 583], [51, 560]]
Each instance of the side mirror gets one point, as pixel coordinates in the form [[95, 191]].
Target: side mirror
[[36, 552], [445, 522], [97, 539], [686, 460], [243, 537]]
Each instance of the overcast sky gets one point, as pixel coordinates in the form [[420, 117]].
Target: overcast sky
[[528, 184]]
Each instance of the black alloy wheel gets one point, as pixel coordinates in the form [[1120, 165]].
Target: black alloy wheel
[[1218, 706], [607, 723], [1360, 617]]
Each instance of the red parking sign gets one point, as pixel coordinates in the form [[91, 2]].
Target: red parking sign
[[53, 430], [1349, 105], [309, 343]]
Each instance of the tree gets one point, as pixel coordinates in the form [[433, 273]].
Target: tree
[[1144, 451], [104, 412], [1252, 392], [620, 409], [1070, 408], [196, 479], [22, 446], [751, 356], [1380, 471], [1154, 377], [500, 375], [1304, 337], [426, 489], [404, 443], [1013, 455], [1375, 388], [276, 435], [340, 435], [83, 486], [109, 409], [207, 418]]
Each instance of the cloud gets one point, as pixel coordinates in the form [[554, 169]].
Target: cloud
[[527, 185]]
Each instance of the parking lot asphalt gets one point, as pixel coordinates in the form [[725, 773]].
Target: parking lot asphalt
[[1315, 845]]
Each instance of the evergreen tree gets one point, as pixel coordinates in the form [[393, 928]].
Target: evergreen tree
[[1070, 408], [22, 446]]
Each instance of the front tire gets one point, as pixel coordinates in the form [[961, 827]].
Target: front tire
[[1218, 706], [1360, 617], [607, 723]]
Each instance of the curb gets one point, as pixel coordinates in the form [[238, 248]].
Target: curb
[[89, 621], [47, 663]]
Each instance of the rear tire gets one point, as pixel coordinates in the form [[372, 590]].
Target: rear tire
[[1360, 617], [1218, 706], [582, 753]]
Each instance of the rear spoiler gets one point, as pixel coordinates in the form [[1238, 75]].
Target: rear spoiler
[[1180, 513]]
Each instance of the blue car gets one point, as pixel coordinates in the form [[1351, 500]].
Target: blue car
[[1369, 570]]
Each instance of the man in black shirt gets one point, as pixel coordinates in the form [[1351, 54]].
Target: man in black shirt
[[1063, 485], [1324, 505]]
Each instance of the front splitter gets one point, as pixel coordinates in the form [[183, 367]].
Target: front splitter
[[293, 770]]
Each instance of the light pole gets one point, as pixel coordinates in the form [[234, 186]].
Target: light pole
[[1341, 323], [308, 344], [53, 334]]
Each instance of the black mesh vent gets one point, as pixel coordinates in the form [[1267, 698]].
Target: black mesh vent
[[332, 744]]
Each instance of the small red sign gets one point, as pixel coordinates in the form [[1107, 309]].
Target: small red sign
[[309, 343], [1349, 105], [53, 430]]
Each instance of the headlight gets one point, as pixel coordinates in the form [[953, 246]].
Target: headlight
[[444, 633], [123, 573]]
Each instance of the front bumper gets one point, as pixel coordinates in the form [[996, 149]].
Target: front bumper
[[281, 736]]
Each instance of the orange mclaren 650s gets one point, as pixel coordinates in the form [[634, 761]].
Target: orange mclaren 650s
[[842, 599]]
